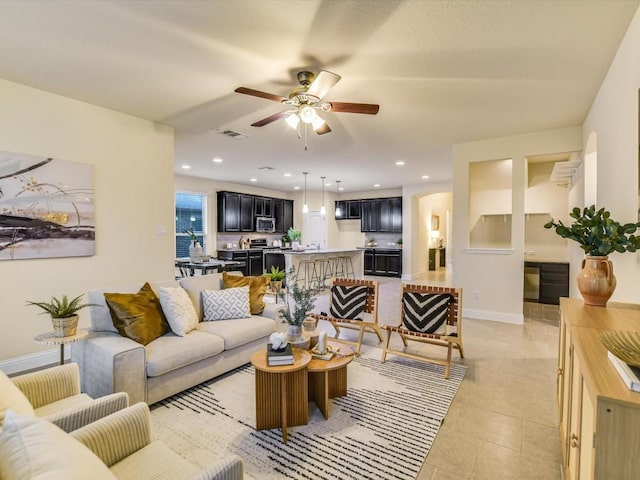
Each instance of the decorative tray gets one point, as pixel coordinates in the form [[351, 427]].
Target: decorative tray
[[623, 344]]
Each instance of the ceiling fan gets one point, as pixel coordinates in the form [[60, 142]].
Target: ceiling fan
[[305, 101]]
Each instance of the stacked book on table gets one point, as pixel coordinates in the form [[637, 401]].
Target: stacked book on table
[[279, 357], [629, 375]]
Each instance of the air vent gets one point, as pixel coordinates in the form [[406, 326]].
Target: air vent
[[231, 134], [266, 168]]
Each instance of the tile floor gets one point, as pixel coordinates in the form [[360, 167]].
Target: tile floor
[[502, 422]]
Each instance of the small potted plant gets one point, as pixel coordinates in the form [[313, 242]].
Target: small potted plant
[[598, 235], [195, 249], [286, 241], [63, 313], [295, 236], [276, 276]]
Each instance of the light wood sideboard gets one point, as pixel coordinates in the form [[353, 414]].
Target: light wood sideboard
[[598, 416]]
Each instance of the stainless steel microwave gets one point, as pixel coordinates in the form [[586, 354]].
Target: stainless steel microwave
[[265, 225]]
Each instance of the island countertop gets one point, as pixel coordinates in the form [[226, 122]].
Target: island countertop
[[315, 251]]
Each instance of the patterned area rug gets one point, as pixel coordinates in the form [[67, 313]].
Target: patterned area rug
[[382, 429]]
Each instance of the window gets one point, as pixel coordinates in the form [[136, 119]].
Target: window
[[190, 214]]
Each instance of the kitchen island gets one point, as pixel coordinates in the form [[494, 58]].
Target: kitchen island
[[292, 258]]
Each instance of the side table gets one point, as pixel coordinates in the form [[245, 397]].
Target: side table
[[49, 339], [328, 378], [281, 392]]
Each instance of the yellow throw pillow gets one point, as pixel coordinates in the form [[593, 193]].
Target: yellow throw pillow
[[138, 316], [257, 289]]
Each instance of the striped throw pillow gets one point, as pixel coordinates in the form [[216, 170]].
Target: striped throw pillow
[[348, 301], [425, 312]]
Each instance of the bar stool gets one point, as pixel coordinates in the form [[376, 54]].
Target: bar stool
[[307, 273], [337, 267], [324, 268], [347, 265]]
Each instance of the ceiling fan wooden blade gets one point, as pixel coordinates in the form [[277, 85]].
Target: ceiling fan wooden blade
[[368, 108], [271, 118], [258, 93], [323, 83], [323, 129]]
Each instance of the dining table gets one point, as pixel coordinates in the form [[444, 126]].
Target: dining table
[[188, 268]]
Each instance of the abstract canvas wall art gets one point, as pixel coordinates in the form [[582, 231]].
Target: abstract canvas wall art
[[46, 207]]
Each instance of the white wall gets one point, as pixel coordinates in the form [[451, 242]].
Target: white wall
[[133, 181], [614, 118], [497, 275]]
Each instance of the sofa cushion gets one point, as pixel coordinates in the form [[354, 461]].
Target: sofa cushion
[[196, 284], [156, 461], [225, 304], [257, 289], [71, 402], [32, 448], [171, 352], [179, 310], [239, 331], [99, 312], [12, 398], [138, 316]]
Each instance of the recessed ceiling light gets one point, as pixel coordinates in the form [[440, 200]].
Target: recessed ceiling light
[[327, 184], [186, 167], [399, 163], [216, 160], [424, 177], [296, 188], [287, 174], [341, 188], [254, 179], [377, 185]]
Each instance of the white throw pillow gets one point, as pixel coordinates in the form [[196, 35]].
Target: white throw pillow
[[178, 309], [33, 449], [226, 304], [12, 398]]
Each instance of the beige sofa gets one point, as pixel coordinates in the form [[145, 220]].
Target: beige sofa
[[170, 364]]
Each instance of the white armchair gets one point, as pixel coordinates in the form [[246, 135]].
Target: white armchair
[[123, 442], [54, 394]]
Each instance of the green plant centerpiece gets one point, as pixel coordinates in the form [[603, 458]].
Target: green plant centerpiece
[[298, 302], [192, 236], [63, 312], [599, 236], [276, 276]]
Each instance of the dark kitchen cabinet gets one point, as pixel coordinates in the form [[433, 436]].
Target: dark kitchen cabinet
[[554, 282], [381, 215], [383, 262], [235, 212], [264, 207], [350, 209], [252, 260], [369, 215], [283, 214]]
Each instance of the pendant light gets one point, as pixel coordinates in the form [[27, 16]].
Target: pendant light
[[305, 207], [323, 211], [338, 209]]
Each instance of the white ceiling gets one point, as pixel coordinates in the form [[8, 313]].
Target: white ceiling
[[443, 72]]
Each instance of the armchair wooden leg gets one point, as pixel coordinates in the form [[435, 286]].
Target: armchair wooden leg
[[447, 367], [385, 346], [360, 336], [460, 350], [377, 331], [337, 329], [404, 339]]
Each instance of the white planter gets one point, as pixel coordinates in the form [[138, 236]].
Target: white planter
[[195, 253]]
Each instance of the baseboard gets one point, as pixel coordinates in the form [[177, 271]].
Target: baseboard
[[32, 361], [516, 318]]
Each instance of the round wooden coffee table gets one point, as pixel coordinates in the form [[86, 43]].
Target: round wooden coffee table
[[281, 392], [328, 378]]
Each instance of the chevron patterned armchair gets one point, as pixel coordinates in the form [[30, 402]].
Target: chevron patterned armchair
[[353, 309], [428, 315]]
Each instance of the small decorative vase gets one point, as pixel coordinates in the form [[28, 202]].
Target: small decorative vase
[[65, 327], [596, 281], [195, 252], [276, 286], [296, 338], [310, 331]]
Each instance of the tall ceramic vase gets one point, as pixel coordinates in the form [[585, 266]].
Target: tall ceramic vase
[[195, 252], [596, 281]]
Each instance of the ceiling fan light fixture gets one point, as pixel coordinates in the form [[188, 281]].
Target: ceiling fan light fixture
[[318, 122], [308, 114], [292, 120]]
